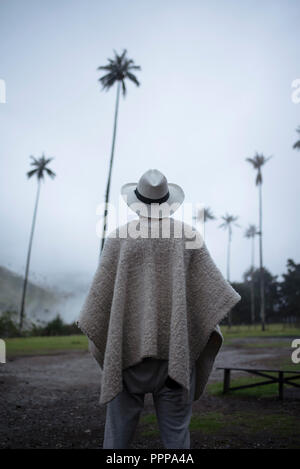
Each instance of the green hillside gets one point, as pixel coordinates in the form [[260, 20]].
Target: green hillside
[[38, 299]]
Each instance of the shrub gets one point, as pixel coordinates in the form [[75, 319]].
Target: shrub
[[8, 324], [55, 327]]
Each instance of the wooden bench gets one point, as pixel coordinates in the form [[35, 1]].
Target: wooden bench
[[281, 379]]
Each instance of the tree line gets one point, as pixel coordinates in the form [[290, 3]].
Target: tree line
[[282, 297]]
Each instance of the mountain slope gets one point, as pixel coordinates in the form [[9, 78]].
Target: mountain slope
[[40, 301]]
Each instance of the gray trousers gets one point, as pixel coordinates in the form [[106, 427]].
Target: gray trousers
[[173, 406]]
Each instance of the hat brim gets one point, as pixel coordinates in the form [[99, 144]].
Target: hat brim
[[154, 210]]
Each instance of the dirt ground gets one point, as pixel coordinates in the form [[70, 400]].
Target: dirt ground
[[52, 402]]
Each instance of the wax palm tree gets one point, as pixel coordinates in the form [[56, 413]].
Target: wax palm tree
[[296, 145], [204, 215], [208, 215], [118, 70], [257, 162], [250, 233], [228, 222], [39, 170]]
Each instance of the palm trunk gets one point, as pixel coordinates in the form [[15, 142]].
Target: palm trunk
[[228, 255], [262, 288], [22, 311], [110, 168], [252, 282], [228, 268]]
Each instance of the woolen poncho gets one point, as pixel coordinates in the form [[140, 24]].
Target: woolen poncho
[[154, 297]]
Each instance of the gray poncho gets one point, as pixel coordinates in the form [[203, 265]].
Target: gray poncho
[[155, 297]]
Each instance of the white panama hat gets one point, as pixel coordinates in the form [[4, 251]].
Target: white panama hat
[[153, 196]]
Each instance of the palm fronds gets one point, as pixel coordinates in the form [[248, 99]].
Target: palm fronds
[[40, 167], [251, 231], [296, 145], [229, 220], [119, 68], [257, 162]]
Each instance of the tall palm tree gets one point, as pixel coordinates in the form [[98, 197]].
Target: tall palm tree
[[250, 233], [228, 222], [257, 162], [40, 169], [296, 145], [205, 215], [208, 214], [119, 68]]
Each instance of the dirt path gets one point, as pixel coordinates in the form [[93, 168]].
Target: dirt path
[[52, 402]]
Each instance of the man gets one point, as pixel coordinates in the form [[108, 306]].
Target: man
[[152, 315]]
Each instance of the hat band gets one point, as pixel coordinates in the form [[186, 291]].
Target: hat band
[[146, 200]]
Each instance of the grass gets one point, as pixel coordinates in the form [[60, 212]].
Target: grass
[[206, 423], [44, 345], [149, 422], [267, 391], [284, 343], [272, 330], [277, 424], [286, 364]]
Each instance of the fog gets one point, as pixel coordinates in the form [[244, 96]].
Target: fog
[[216, 86]]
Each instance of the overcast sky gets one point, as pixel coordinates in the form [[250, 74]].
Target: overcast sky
[[215, 87]]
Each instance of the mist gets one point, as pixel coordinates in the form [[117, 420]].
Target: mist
[[216, 86]]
